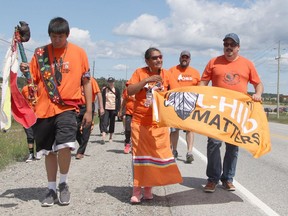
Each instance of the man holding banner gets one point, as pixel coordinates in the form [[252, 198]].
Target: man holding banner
[[229, 71]]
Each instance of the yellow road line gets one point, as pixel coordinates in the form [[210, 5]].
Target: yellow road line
[[279, 136]]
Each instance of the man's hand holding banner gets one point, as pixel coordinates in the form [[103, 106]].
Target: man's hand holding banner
[[219, 113]]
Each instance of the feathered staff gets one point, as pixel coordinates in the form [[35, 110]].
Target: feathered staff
[[20, 108]]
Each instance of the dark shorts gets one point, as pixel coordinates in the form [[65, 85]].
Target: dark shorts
[[57, 132]]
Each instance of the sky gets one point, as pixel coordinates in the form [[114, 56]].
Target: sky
[[116, 33]]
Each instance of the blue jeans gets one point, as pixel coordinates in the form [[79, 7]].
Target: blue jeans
[[214, 166]]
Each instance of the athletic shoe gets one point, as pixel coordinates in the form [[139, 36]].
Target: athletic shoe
[[30, 158], [189, 158], [175, 154], [210, 187], [127, 148], [50, 199], [228, 186], [64, 195], [38, 155]]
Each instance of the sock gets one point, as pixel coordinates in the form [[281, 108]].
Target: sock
[[63, 178], [52, 185], [31, 150]]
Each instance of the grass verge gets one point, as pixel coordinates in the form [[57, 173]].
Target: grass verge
[[13, 145]]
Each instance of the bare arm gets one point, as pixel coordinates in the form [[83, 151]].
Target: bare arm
[[87, 118], [100, 103], [135, 88], [203, 83], [259, 88]]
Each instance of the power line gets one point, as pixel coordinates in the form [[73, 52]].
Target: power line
[[8, 42]]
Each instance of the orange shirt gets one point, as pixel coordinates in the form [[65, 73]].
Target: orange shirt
[[129, 102], [231, 75], [183, 76], [143, 115], [95, 90], [75, 65]]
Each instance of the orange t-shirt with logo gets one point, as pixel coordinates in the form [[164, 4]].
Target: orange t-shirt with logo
[[95, 90], [183, 76], [231, 75], [129, 102], [143, 115], [75, 65]]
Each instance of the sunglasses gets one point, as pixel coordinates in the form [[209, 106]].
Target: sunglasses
[[156, 57], [230, 44]]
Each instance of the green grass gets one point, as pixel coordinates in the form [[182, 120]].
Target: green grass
[[283, 118], [13, 145]]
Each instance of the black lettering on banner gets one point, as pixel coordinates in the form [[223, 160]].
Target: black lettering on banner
[[205, 115], [256, 138], [216, 121]]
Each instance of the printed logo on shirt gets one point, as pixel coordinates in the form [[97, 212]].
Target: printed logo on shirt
[[184, 78], [232, 78]]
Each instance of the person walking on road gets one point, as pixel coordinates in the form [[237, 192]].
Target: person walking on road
[[83, 134], [153, 162], [128, 106], [179, 76], [230, 71], [29, 131], [59, 69], [111, 102]]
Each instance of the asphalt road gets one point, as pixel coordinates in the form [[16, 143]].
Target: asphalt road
[[101, 184]]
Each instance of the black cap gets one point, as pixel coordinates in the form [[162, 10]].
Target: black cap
[[111, 79]]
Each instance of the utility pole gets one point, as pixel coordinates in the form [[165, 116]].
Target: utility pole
[[278, 78], [93, 69]]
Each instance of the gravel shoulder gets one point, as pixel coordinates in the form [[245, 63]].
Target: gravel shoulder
[[100, 184]]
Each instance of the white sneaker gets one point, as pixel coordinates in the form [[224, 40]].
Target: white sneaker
[[30, 158], [38, 155]]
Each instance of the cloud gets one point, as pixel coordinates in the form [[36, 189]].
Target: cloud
[[145, 26], [203, 24], [120, 67]]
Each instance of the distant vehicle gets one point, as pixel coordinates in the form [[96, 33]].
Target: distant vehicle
[[281, 109], [268, 109]]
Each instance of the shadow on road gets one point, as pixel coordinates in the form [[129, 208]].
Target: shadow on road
[[24, 194], [194, 195]]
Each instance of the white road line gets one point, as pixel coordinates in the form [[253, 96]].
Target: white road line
[[250, 197]]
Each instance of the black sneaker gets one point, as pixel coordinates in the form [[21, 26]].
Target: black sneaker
[[30, 158], [189, 158], [64, 194], [175, 154], [50, 199]]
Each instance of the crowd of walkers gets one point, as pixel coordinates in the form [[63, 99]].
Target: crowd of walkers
[[65, 107]]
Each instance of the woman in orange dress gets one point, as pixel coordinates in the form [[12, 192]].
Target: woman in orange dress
[[153, 162]]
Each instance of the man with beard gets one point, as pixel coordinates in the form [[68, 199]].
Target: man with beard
[[229, 71], [179, 76]]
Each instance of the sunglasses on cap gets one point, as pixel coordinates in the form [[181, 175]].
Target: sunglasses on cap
[[156, 57], [230, 44]]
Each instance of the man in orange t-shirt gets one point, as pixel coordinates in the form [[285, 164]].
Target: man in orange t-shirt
[[59, 69], [179, 76], [83, 134], [230, 71]]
